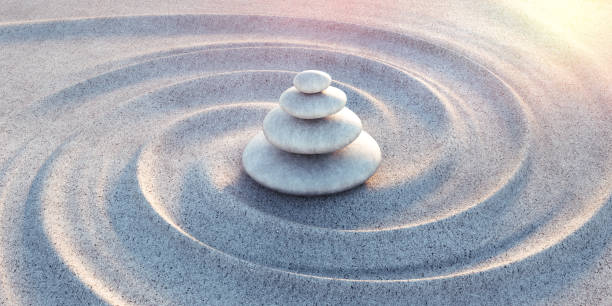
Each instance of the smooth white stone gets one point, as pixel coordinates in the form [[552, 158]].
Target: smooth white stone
[[315, 136], [318, 174], [312, 106], [311, 81]]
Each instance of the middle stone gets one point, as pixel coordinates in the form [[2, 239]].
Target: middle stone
[[311, 136], [312, 106]]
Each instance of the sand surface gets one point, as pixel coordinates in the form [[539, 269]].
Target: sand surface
[[122, 127]]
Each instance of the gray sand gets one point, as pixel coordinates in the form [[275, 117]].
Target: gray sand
[[122, 128]]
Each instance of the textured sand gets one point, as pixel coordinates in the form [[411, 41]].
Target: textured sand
[[122, 128]]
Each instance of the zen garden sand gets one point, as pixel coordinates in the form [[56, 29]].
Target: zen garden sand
[[468, 148]]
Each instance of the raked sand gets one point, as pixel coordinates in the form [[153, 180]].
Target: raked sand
[[122, 128]]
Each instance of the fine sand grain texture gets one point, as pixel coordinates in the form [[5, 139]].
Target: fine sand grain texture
[[122, 128]]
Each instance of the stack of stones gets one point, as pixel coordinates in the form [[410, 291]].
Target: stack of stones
[[311, 144]]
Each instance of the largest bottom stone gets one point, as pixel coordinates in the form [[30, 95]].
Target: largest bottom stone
[[316, 174]]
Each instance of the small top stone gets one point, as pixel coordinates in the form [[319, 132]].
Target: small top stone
[[311, 81]]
